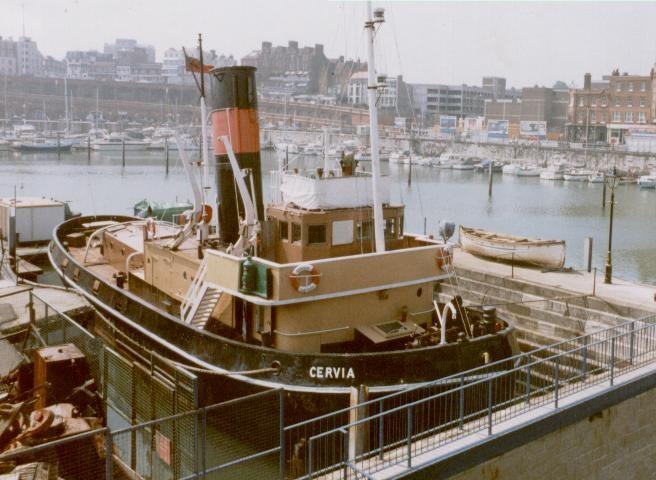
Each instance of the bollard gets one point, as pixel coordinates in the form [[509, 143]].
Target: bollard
[[587, 253]]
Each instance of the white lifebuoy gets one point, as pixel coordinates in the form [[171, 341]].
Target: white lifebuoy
[[305, 278]]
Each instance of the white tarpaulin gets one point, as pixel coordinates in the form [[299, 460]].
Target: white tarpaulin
[[332, 192]]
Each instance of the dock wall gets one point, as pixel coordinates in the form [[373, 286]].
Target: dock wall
[[609, 436]]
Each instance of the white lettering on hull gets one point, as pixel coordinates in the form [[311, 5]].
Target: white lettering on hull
[[335, 373]]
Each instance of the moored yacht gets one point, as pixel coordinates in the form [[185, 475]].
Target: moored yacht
[[117, 143]]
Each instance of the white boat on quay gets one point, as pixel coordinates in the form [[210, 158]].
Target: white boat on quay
[[511, 248]]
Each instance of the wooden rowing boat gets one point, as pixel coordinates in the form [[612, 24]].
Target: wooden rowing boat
[[532, 251]]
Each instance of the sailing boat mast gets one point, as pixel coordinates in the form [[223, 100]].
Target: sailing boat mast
[[373, 19], [66, 103]]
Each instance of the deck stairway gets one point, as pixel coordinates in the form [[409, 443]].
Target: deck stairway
[[200, 300], [544, 316]]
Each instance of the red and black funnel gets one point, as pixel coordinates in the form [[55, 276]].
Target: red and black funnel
[[234, 114]]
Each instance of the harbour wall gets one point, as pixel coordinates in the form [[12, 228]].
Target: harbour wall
[[596, 439]]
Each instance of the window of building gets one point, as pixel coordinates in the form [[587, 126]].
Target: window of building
[[618, 86], [296, 232], [580, 101], [284, 230], [593, 101], [643, 101], [641, 117], [604, 101], [617, 101], [593, 117], [630, 86], [643, 86], [629, 102], [390, 228], [628, 117], [616, 116], [602, 117], [579, 117], [316, 234]]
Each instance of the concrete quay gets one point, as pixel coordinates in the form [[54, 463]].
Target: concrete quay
[[637, 298]]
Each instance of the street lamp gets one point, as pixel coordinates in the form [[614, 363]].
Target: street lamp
[[611, 182]]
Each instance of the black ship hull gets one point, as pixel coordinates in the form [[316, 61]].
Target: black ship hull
[[329, 377]]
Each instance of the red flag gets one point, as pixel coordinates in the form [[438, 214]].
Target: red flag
[[193, 64]]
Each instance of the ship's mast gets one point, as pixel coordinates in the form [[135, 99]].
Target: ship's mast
[[374, 18], [205, 178]]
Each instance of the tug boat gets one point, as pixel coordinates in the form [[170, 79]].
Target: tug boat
[[320, 293]]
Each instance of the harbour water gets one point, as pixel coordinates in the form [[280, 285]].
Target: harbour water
[[519, 205]]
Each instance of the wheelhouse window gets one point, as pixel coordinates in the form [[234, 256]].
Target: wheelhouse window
[[284, 230], [296, 232], [364, 230], [390, 228], [316, 234]]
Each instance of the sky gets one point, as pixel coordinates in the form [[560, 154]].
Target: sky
[[529, 43]]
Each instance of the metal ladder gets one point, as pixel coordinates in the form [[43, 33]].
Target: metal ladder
[[200, 300]]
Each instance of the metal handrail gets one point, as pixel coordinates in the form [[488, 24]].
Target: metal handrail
[[489, 410], [467, 373]]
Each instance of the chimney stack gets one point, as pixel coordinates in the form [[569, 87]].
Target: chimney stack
[[234, 114], [587, 81]]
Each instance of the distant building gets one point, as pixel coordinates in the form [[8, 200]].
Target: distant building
[[54, 68], [127, 45], [496, 85], [325, 76], [90, 65], [28, 58], [433, 100], [540, 104], [173, 64], [612, 109], [387, 96], [8, 57]]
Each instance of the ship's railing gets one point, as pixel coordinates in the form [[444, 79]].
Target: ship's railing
[[393, 430]]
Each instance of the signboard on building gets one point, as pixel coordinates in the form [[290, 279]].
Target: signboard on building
[[533, 129], [473, 124], [448, 124], [497, 128]]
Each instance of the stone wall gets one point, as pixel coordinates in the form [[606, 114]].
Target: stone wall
[[616, 443]]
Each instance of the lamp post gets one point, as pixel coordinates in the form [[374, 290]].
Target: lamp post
[[611, 179]]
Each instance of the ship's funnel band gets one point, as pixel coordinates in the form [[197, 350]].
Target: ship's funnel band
[[240, 125]]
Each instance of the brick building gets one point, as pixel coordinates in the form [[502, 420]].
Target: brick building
[[610, 110]]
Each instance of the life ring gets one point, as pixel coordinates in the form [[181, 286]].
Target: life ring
[[305, 278], [443, 258], [205, 214]]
